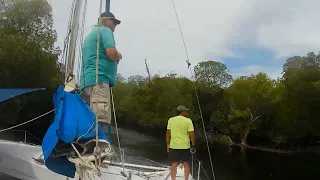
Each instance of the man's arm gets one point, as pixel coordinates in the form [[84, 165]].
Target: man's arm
[[112, 54], [193, 138], [168, 136], [109, 44], [191, 134]]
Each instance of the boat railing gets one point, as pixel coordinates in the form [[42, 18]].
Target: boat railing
[[22, 136], [139, 164]]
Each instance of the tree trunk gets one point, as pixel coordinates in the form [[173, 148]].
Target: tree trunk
[[253, 118], [244, 137]]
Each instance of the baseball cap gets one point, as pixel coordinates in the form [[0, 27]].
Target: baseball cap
[[110, 15], [182, 108]]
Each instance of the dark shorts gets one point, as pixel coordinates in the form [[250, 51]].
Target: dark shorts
[[179, 155]]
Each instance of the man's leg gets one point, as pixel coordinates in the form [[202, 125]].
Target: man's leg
[[186, 156], [100, 102], [186, 170], [106, 129], [174, 158], [174, 166]]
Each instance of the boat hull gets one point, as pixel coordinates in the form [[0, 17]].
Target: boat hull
[[18, 160]]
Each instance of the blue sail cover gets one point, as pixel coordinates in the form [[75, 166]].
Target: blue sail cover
[[72, 119], [6, 94]]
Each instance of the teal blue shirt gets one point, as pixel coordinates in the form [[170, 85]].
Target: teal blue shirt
[[107, 68]]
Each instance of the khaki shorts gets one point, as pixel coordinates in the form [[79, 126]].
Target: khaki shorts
[[99, 101]]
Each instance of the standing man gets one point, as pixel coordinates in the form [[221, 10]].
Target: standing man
[[179, 133], [99, 98]]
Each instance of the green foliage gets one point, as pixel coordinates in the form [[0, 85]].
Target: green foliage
[[298, 98], [249, 99], [212, 73], [27, 44], [27, 55], [153, 106]]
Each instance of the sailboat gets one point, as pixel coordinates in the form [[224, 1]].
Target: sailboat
[[74, 146]]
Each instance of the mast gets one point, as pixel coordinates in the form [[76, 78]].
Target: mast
[[70, 79], [107, 5], [73, 39]]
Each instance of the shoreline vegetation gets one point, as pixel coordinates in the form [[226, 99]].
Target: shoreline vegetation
[[253, 110], [227, 141]]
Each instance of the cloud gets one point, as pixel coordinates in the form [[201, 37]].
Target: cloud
[[286, 27], [213, 30], [272, 72], [149, 29]]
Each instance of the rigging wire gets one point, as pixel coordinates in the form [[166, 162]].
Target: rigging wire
[[66, 44], [117, 131], [80, 65], [97, 151], [181, 32], [73, 41], [195, 87]]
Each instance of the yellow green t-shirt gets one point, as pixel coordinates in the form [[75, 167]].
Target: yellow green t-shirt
[[180, 127]]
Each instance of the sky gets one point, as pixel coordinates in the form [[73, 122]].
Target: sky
[[249, 36]]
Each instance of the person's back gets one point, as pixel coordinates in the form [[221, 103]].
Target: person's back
[[180, 132], [107, 68], [180, 127]]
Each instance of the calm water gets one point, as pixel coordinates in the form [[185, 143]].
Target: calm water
[[229, 163]]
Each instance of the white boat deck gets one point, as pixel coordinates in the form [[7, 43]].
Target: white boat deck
[[7, 177], [16, 160]]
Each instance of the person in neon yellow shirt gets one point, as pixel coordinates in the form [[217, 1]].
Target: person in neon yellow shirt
[[179, 133]]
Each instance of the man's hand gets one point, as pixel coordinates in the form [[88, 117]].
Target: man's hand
[[113, 54], [119, 56], [168, 147]]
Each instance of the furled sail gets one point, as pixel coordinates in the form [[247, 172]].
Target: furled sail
[[74, 121]]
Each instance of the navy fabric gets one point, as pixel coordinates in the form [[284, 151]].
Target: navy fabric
[[6, 94]]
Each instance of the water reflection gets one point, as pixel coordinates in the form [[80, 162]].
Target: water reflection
[[230, 163], [258, 165]]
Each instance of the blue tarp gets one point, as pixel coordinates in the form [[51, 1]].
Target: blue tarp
[[6, 94], [72, 119]]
